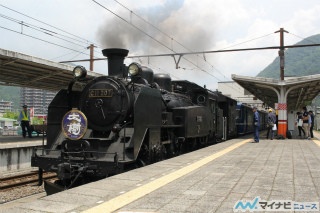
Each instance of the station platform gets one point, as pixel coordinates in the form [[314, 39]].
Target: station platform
[[19, 141], [232, 176], [15, 153]]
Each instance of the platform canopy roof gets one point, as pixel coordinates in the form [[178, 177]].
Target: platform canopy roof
[[17, 69], [300, 90]]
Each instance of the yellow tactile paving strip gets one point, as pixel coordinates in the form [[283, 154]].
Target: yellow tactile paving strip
[[316, 141], [126, 198], [317, 134]]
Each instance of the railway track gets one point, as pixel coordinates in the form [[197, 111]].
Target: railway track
[[23, 179]]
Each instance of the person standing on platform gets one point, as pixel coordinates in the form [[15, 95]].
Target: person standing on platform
[[299, 124], [271, 120], [305, 125], [24, 118], [256, 124], [311, 122]]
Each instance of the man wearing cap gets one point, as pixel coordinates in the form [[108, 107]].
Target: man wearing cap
[[24, 119], [271, 120], [256, 124]]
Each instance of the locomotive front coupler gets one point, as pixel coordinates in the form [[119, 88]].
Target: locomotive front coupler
[[80, 171], [64, 171]]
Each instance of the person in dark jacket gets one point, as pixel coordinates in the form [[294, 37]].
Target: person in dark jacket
[[272, 119], [256, 124], [312, 123]]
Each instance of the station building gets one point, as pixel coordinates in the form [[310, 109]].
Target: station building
[[7, 123], [5, 106], [240, 94]]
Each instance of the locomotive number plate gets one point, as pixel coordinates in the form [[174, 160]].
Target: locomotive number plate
[[98, 93]]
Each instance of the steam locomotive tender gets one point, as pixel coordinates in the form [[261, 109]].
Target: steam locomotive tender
[[132, 117]]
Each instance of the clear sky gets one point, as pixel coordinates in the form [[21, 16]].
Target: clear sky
[[61, 30]]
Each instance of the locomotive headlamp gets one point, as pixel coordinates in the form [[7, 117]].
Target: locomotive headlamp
[[79, 72], [134, 69]]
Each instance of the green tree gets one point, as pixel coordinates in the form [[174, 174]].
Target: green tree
[[12, 115], [298, 61], [37, 120]]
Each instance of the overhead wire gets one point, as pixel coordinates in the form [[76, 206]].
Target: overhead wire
[[85, 40], [69, 53], [70, 39], [50, 32], [49, 25], [167, 35], [137, 28], [148, 35], [49, 42], [247, 41], [182, 45], [172, 39], [152, 66], [302, 38], [39, 29]]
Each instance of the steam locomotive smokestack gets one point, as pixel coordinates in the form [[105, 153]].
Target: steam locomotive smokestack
[[116, 57]]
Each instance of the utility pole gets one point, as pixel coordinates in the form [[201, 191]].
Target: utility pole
[[281, 52], [91, 47]]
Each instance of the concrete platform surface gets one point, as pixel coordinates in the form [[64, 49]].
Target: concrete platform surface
[[7, 142]]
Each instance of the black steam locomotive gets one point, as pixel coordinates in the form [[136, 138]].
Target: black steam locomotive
[[130, 118]]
